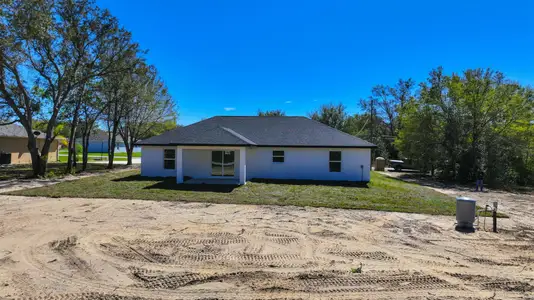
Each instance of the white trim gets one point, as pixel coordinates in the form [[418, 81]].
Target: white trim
[[179, 166], [215, 148], [243, 165]]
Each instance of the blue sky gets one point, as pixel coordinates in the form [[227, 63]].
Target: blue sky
[[226, 57]]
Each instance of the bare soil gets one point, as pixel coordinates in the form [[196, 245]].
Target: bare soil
[[73, 248]]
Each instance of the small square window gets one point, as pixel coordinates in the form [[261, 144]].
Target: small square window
[[278, 159], [169, 153], [169, 164], [335, 155], [278, 156], [335, 166]]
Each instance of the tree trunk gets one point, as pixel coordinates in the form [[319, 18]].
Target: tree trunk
[[70, 150], [86, 136], [112, 140], [129, 152], [85, 155], [72, 139], [128, 144], [34, 153], [39, 159], [43, 161]]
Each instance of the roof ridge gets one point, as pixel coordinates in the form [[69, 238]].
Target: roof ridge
[[257, 117], [239, 136]]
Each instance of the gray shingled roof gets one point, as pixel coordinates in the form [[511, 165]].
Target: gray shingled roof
[[102, 136], [14, 130], [258, 131]]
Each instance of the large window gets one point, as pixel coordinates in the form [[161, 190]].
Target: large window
[[278, 156], [335, 161], [169, 159]]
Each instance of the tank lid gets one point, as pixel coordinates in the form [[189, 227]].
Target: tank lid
[[465, 199]]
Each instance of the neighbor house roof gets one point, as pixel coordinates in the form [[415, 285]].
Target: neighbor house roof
[[14, 130], [102, 136], [258, 131]]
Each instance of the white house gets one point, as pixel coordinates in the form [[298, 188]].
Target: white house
[[237, 149]]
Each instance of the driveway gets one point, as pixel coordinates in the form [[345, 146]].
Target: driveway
[[75, 248]]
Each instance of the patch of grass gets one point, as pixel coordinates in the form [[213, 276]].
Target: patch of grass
[[54, 170], [382, 193]]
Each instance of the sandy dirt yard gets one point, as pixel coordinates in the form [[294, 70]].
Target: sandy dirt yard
[[123, 249]]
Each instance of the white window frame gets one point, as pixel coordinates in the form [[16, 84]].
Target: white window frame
[[283, 156], [169, 159], [335, 161]]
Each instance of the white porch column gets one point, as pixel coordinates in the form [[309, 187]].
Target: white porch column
[[179, 166], [242, 165]]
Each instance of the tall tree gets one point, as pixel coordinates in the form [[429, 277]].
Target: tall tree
[[462, 124], [48, 50], [386, 106], [91, 109], [402, 93], [271, 113], [332, 115], [151, 105], [118, 90]]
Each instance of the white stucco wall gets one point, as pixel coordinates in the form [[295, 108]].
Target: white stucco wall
[[197, 163], [308, 163], [152, 162], [300, 163]]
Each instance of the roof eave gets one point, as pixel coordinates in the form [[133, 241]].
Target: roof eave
[[253, 145]]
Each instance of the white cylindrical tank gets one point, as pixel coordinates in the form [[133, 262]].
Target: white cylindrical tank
[[465, 212]]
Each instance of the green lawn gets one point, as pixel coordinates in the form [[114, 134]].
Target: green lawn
[[54, 170], [382, 193]]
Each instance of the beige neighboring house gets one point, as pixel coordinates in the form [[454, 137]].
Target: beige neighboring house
[[14, 145]]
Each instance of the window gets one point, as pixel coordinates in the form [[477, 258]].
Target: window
[[169, 159], [278, 156], [335, 161], [222, 163]]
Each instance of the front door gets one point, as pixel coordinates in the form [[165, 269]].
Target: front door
[[222, 163]]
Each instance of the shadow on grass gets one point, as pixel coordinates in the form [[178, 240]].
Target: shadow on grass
[[169, 183], [356, 184]]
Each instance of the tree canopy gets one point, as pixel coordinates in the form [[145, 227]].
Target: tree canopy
[[55, 57], [454, 126]]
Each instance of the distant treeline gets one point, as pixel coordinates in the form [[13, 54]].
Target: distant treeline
[[455, 126]]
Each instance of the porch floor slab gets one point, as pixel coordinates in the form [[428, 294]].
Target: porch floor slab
[[227, 181]]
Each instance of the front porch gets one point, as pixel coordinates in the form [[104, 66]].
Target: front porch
[[211, 165]]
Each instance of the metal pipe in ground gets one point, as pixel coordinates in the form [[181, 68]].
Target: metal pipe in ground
[[495, 204]]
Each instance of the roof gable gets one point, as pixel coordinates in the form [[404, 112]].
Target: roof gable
[[14, 130], [259, 131]]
